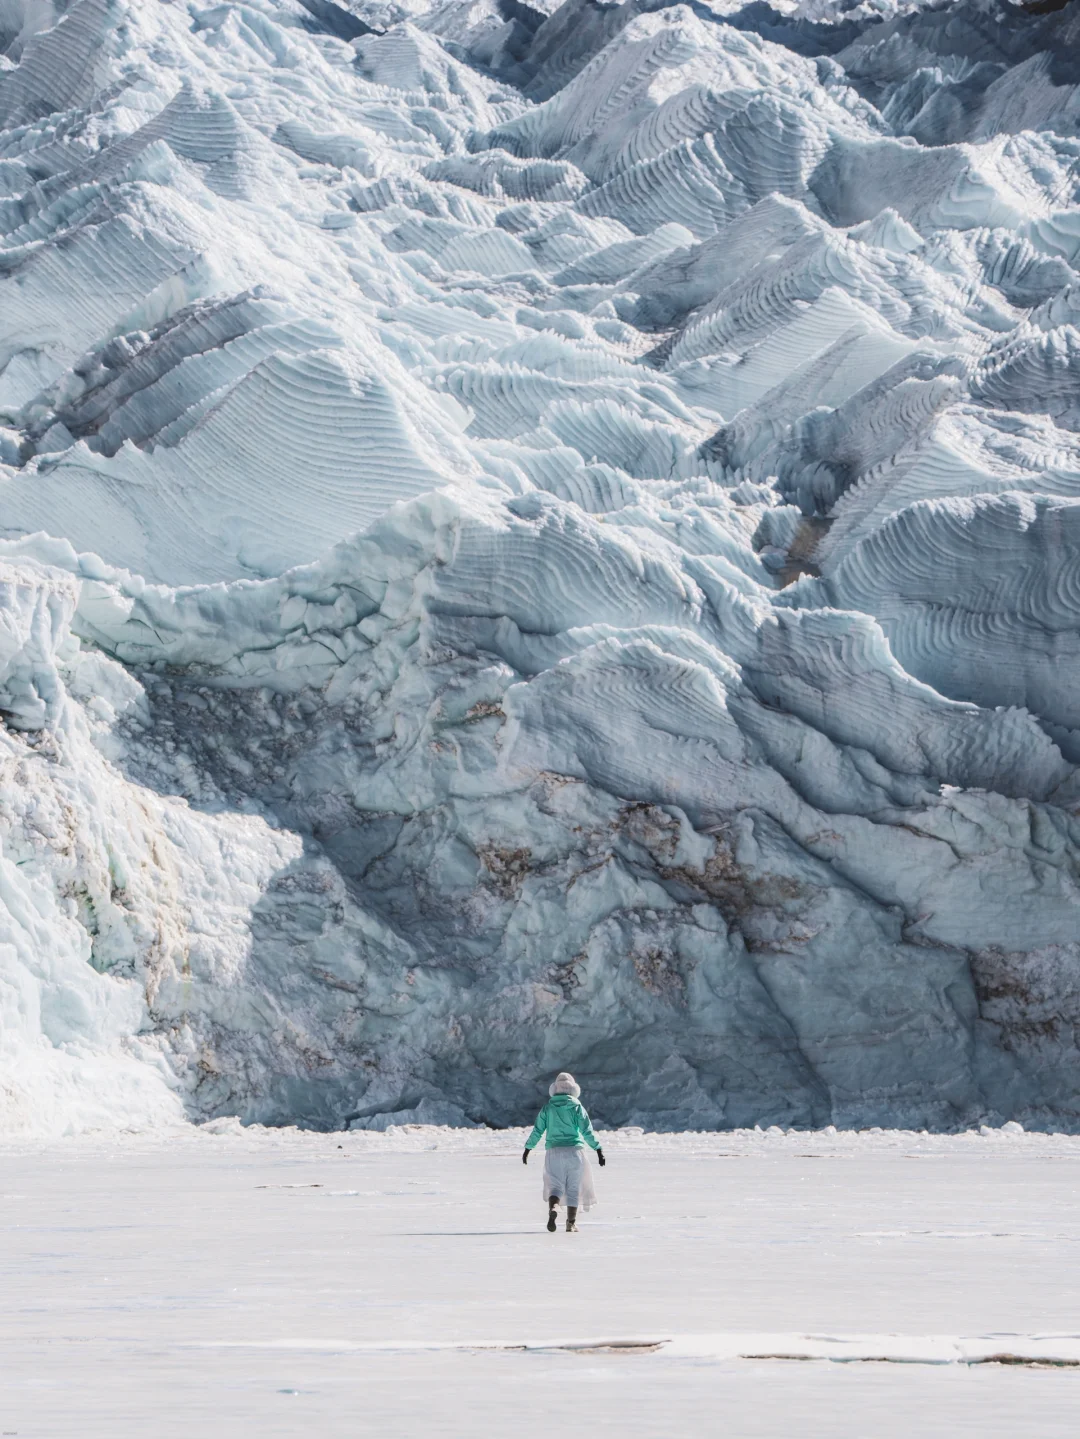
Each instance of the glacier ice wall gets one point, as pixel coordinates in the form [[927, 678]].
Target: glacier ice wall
[[539, 537]]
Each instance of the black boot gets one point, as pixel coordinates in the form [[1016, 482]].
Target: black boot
[[571, 1216], [553, 1204]]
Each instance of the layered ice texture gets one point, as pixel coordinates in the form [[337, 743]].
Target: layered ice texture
[[539, 538]]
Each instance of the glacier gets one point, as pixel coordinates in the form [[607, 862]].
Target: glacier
[[539, 537]]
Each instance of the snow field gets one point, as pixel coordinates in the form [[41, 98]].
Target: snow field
[[283, 1283]]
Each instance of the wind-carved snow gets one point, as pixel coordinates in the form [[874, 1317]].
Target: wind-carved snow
[[539, 538]]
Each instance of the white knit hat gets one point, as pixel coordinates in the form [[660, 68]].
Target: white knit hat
[[565, 1084]]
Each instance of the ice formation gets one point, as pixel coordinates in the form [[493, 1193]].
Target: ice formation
[[539, 538]]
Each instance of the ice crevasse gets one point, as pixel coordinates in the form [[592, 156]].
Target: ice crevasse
[[539, 537]]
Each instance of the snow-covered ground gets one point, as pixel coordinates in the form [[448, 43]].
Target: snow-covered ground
[[225, 1282]]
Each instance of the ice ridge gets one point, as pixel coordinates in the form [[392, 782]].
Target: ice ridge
[[539, 536]]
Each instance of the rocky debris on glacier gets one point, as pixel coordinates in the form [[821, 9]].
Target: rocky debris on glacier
[[535, 537]]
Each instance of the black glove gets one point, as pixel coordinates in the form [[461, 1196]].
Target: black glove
[[525, 1157], [600, 1156]]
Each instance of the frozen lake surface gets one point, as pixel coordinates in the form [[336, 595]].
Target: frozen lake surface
[[222, 1282]]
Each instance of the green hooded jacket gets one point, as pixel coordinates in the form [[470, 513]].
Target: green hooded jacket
[[565, 1122]]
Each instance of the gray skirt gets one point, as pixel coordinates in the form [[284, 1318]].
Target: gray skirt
[[568, 1176]]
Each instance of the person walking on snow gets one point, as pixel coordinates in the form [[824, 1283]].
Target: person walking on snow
[[567, 1172]]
